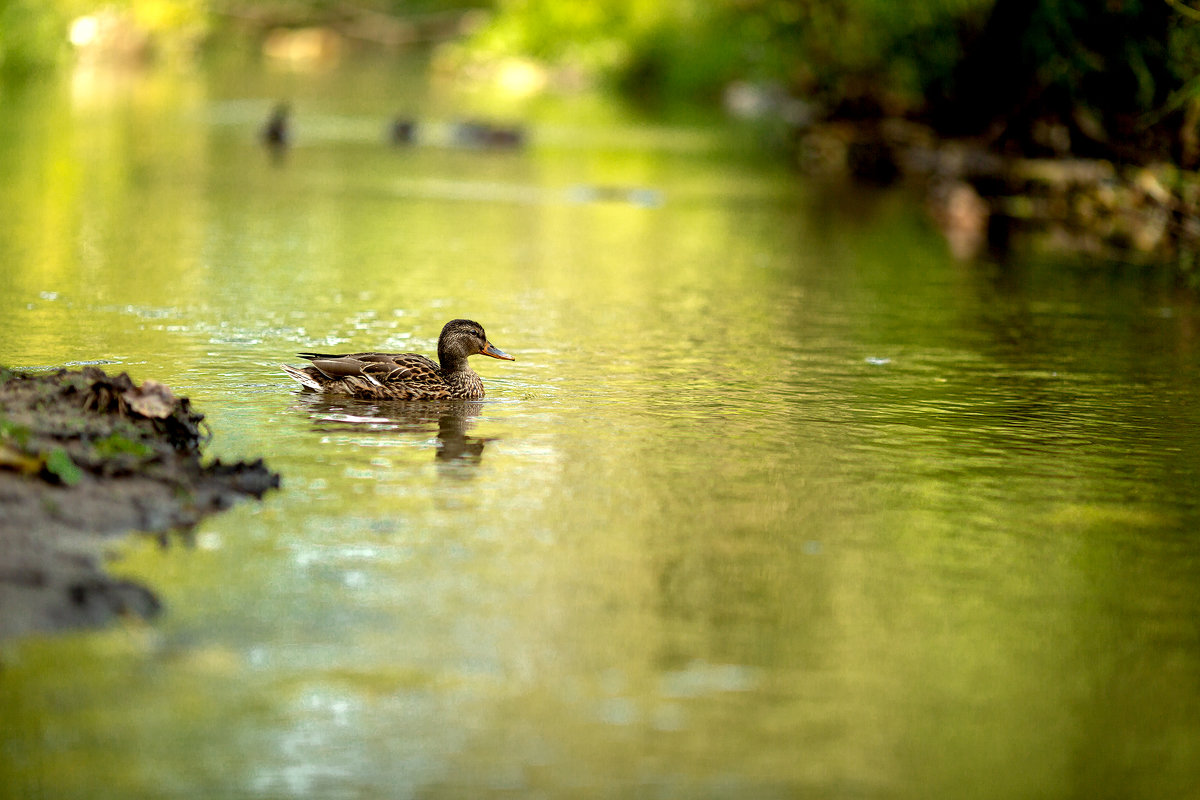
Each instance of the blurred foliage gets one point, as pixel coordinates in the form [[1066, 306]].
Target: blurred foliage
[[598, 39], [1124, 70], [305, 11], [32, 36], [693, 49], [904, 50], [35, 35], [1114, 77], [1121, 72]]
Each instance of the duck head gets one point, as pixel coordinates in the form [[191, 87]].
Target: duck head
[[461, 338]]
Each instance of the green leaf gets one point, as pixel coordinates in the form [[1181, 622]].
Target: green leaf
[[115, 445], [60, 465], [16, 433]]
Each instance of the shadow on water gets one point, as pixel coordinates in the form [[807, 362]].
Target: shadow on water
[[448, 420]]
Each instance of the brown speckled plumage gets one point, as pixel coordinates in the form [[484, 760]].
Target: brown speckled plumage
[[404, 376]]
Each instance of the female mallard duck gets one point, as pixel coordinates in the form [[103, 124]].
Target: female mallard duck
[[404, 376]]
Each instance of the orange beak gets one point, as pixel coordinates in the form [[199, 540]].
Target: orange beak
[[491, 350]]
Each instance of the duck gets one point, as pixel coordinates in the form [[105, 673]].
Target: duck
[[404, 376], [477, 133], [402, 130], [276, 132]]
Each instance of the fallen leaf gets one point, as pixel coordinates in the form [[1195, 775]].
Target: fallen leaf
[[18, 461], [151, 399], [60, 465]]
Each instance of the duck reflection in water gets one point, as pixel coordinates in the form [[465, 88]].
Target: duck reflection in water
[[449, 418]]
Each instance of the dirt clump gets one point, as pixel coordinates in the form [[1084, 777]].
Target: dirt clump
[[85, 456]]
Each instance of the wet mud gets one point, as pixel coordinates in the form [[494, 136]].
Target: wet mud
[[84, 457]]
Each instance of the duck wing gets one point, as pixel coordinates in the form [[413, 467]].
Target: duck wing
[[377, 367]]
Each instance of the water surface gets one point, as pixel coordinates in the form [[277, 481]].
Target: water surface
[[778, 499]]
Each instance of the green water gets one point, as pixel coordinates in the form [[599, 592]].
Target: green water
[[778, 499]]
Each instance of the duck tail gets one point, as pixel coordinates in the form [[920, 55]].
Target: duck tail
[[303, 378]]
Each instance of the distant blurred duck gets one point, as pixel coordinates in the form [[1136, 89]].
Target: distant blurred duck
[[402, 130], [276, 133], [476, 133], [404, 376]]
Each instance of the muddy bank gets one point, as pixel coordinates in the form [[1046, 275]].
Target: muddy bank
[[984, 200], [85, 456]]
